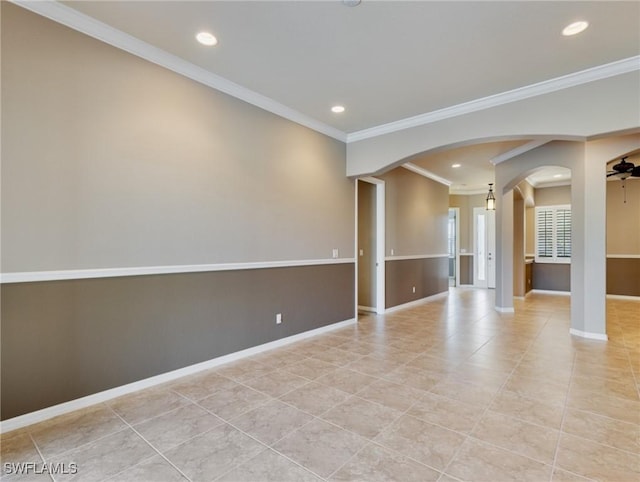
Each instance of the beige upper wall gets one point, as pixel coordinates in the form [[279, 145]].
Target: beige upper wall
[[417, 212], [466, 203], [552, 196], [111, 161], [623, 219]]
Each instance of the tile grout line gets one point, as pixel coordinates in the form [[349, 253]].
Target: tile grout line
[[469, 435], [44, 461], [152, 446]]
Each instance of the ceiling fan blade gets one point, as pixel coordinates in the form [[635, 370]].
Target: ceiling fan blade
[[635, 172]]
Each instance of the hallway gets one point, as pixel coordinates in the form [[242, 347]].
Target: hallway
[[446, 390]]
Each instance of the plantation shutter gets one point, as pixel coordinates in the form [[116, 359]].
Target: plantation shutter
[[544, 229], [563, 233], [553, 234]]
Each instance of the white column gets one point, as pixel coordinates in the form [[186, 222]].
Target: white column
[[504, 250], [588, 258]]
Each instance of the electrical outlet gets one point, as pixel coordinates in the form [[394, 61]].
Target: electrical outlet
[[278, 318], [393, 251], [414, 289], [362, 252], [336, 253]]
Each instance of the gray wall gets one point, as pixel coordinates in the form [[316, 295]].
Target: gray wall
[[429, 276], [109, 161], [62, 340], [551, 276], [623, 276]]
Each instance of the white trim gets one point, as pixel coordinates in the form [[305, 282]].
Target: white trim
[[540, 185], [529, 255], [517, 151], [624, 256], [456, 211], [466, 192], [416, 256], [416, 302], [599, 72], [551, 292], [427, 174], [623, 297], [83, 23], [588, 334], [72, 18], [467, 254], [62, 408], [380, 241], [31, 276], [505, 309], [368, 309]]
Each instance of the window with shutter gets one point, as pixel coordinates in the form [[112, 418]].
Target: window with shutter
[[553, 234]]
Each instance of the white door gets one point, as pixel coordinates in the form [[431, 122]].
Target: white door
[[484, 270]]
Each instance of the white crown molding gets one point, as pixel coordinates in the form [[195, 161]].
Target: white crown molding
[[600, 72], [541, 185], [468, 192], [425, 173], [33, 276], [85, 24], [517, 151]]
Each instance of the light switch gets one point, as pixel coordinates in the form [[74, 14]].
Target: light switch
[[335, 253]]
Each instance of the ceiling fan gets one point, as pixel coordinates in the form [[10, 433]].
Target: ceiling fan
[[624, 170]]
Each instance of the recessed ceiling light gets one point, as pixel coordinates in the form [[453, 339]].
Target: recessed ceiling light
[[337, 109], [575, 28], [455, 165], [206, 38]]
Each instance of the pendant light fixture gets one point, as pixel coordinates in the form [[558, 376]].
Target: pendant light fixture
[[491, 199]]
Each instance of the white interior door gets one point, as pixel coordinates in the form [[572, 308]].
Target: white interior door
[[484, 267]]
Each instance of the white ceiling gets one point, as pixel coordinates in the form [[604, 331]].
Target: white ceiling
[[383, 60]]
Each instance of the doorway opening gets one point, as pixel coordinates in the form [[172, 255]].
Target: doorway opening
[[370, 233]]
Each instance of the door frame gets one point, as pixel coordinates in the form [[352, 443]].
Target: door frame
[[379, 185], [476, 263], [457, 247]]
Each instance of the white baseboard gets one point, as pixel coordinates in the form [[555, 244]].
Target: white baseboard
[[551, 292], [505, 309], [368, 309], [589, 335], [416, 302], [84, 402], [623, 297]]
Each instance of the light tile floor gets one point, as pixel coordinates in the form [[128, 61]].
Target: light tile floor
[[447, 390]]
